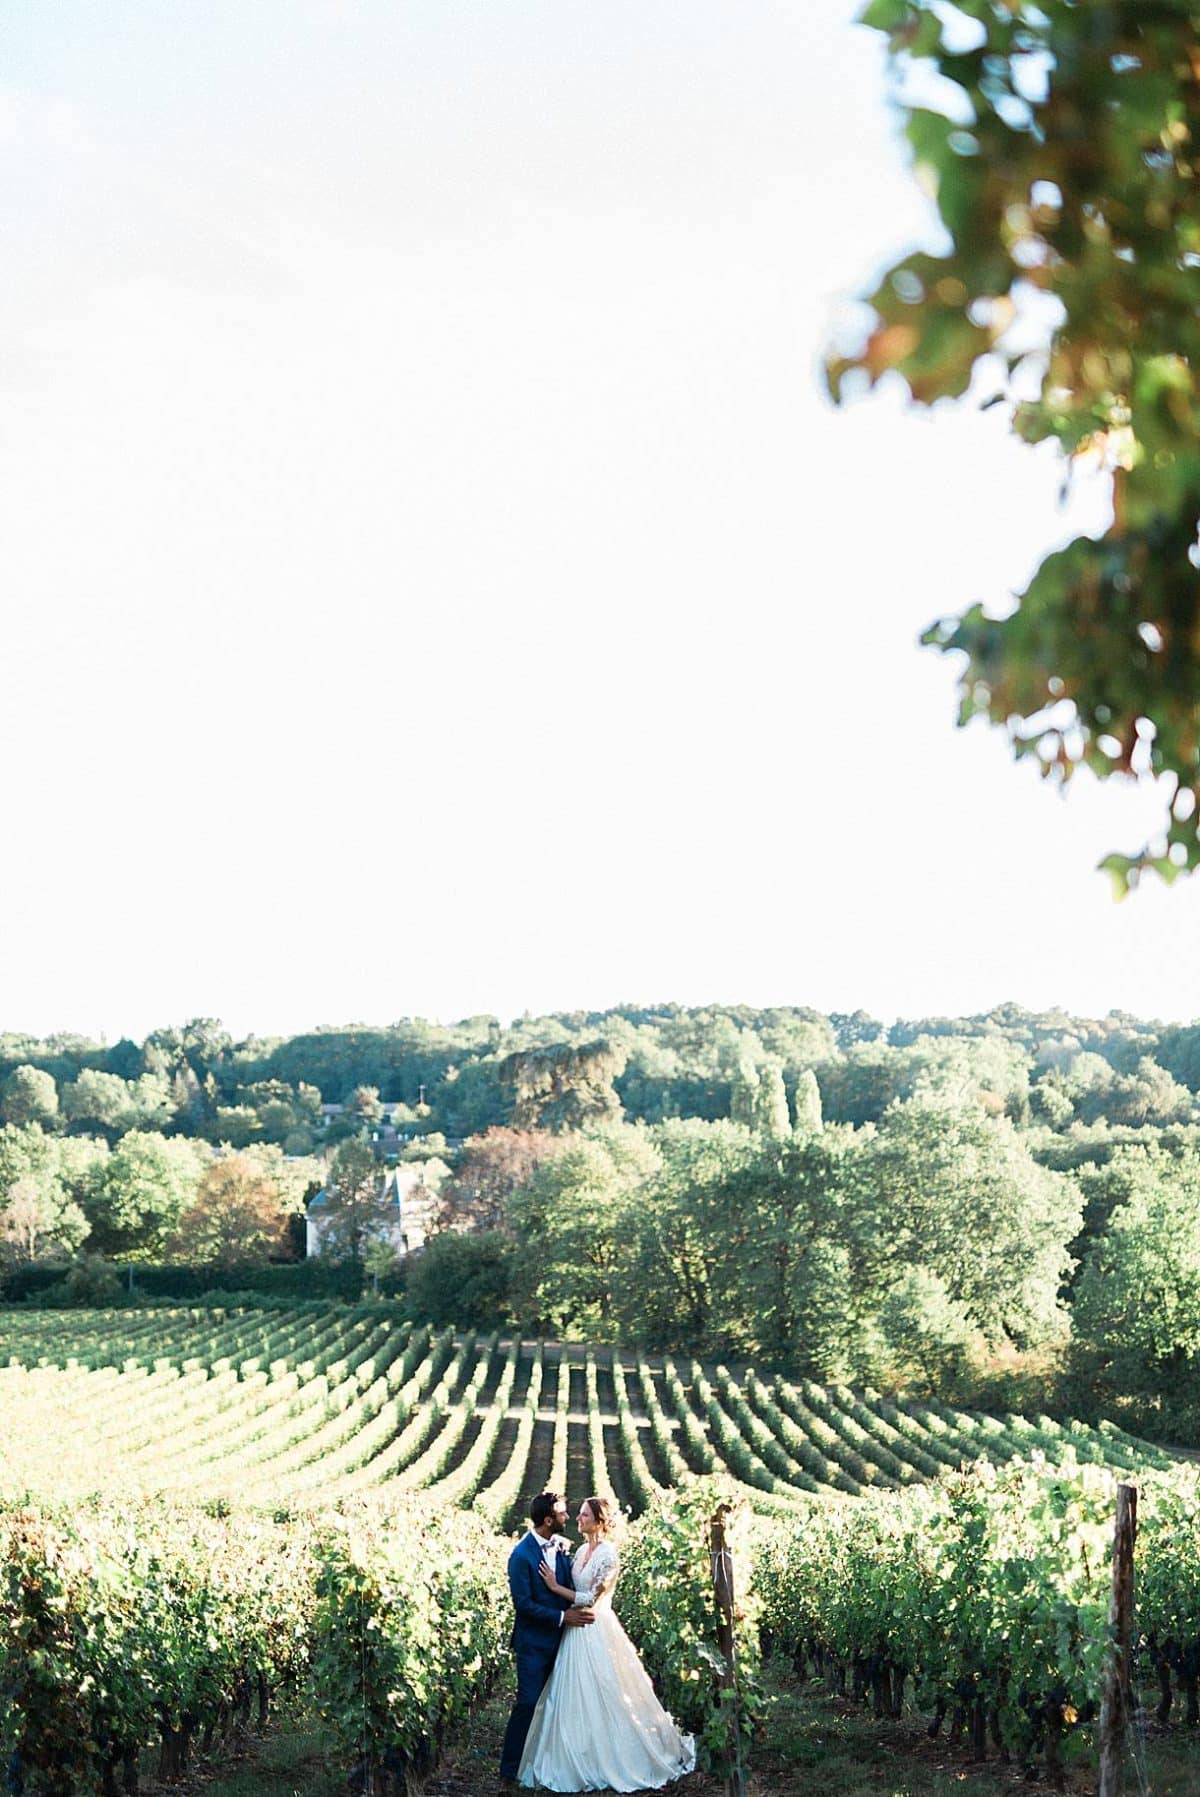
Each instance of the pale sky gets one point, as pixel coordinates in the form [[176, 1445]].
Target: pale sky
[[433, 579]]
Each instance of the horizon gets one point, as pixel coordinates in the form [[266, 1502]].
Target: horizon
[[239, 1036]]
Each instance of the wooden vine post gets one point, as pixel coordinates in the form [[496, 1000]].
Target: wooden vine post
[[1117, 1703], [723, 1592]]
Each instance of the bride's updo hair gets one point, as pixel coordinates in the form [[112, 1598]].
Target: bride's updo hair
[[602, 1510]]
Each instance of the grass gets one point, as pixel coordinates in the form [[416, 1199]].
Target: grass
[[814, 1743], [286, 1761]]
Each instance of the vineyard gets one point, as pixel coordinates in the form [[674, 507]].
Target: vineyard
[[314, 1403], [201, 1508]]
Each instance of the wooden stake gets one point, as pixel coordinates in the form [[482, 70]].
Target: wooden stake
[[1117, 1703], [723, 1591]]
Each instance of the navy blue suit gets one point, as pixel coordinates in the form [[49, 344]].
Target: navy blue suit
[[537, 1632]]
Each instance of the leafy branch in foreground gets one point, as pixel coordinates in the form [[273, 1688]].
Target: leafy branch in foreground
[[1064, 167]]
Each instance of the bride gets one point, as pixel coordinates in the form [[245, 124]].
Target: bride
[[598, 1725]]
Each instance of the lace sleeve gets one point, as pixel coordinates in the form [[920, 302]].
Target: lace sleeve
[[598, 1575]]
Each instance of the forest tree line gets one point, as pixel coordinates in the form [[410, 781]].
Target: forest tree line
[[1046, 1070]]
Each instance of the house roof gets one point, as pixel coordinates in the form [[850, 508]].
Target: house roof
[[391, 1193]]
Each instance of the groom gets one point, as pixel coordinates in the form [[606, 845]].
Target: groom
[[541, 1616]]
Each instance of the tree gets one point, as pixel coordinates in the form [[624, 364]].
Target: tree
[[124, 1059], [850, 1027], [1128, 1172], [743, 1093], [771, 1118], [295, 1178], [38, 1220], [925, 1332], [235, 1125], [431, 1147], [30, 1096], [97, 1098], [784, 1280], [1060, 142], [77, 1161], [21, 1218], [363, 1104], [192, 1098], [809, 1120], [89, 1282], [150, 1105], [1096, 1092], [461, 1279], [29, 1151], [564, 1087], [959, 1193], [354, 1210], [236, 1218], [571, 1220], [673, 1293], [141, 1191], [490, 1168], [203, 1044], [1137, 1305]]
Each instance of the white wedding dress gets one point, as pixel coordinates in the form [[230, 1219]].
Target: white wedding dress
[[598, 1725]]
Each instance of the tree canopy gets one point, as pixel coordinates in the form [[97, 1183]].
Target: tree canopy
[[1137, 1308], [1061, 141]]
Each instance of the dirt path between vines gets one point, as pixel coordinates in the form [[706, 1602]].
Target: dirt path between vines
[[815, 1746]]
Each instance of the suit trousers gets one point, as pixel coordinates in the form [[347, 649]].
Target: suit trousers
[[535, 1662]]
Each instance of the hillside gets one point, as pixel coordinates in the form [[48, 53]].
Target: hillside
[[305, 1404]]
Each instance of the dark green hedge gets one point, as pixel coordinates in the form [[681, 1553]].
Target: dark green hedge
[[300, 1279]]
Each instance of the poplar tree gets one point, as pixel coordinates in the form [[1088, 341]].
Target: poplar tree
[[809, 1118], [771, 1117]]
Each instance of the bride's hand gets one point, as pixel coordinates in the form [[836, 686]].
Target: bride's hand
[[548, 1579]]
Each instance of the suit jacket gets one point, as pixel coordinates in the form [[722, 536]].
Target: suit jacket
[[538, 1610]]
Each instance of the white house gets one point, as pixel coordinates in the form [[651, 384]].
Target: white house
[[404, 1204]]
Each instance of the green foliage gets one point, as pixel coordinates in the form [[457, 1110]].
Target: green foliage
[[926, 1333], [1168, 1576], [781, 1272], [715, 1237], [136, 1197], [771, 1117], [809, 1118], [134, 1625], [968, 1202], [1060, 148], [354, 1214], [567, 1086], [571, 1223], [743, 1093], [730, 1240], [412, 1621], [1089, 1090], [102, 1102], [29, 1096], [462, 1279], [1136, 1347], [668, 1605], [955, 1067], [89, 1281], [673, 1284], [39, 1216], [990, 1588]]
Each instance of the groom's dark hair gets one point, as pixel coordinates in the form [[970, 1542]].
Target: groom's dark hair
[[542, 1507]]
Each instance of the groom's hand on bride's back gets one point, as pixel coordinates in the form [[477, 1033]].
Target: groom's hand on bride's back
[[576, 1618]]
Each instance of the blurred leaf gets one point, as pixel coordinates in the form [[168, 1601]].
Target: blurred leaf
[[1085, 190]]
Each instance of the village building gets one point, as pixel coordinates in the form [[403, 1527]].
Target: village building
[[404, 1212]]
